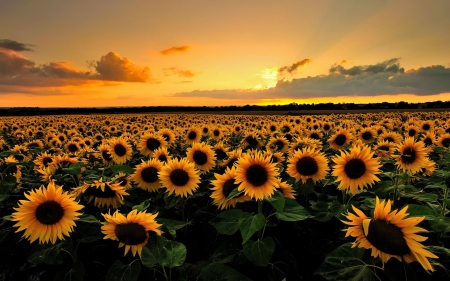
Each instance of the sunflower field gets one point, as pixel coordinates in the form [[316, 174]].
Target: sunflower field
[[225, 197]]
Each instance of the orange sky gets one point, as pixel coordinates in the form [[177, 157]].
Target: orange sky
[[122, 53]]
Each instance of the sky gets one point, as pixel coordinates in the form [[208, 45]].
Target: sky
[[147, 53]]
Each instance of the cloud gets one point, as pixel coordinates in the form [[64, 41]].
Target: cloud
[[174, 50], [18, 70], [179, 72], [116, 68], [294, 67], [14, 45], [379, 79], [391, 65]]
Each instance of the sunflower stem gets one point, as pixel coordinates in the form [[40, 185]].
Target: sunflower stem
[[165, 274], [260, 232], [395, 195], [444, 204]]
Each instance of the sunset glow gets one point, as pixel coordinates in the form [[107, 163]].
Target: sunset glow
[[222, 53]]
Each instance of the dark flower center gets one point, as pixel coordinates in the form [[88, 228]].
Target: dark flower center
[[256, 175], [166, 137], [192, 135], [123, 182], [274, 159], [446, 142], [106, 156], [153, 144], [216, 133], [97, 192], [251, 141], [72, 147], [200, 157], [307, 166], [220, 154], [205, 130], [149, 174], [46, 161], [49, 212], [120, 150], [326, 127], [412, 132], [279, 144], [428, 141], [315, 136], [18, 157], [288, 137], [389, 139], [130, 233], [355, 168], [273, 128], [228, 186], [426, 127], [384, 147], [367, 135], [231, 163], [179, 177], [286, 129], [340, 140], [162, 158], [408, 155], [387, 238]]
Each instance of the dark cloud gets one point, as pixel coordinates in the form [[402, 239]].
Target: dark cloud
[[294, 67], [391, 66], [178, 72], [14, 45], [379, 79], [174, 50], [116, 68], [18, 70]]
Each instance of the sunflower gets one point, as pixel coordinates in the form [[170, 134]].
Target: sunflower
[[251, 140], [120, 150], [412, 131], [150, 142], [315, 134], [179, 177], [104, 154], [308, 164], [256, 175], [356, 169], [131, 231], [222, 187], [216, 133], [123, 180], [272, 127], [220, 151], [193, 135], [233, 157], [444, 140], [367, 134], [146, 175], [429, 139], [390, 137], [276, 157], [389, 234], [304, 142], [278, 144], [340, 138], [412, 155], [72, 147], [384, 149], [286, 189], [162, 154], [105, 194], [202, 156], [43, 160], [47, 215]]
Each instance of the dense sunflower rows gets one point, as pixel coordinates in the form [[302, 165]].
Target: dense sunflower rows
[[243, 186]]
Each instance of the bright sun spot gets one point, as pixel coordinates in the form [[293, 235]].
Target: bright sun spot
[[270, 76]]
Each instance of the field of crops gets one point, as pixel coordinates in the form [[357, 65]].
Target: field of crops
[[225, 197]]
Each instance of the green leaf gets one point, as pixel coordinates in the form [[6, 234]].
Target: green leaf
[[88, 218], [8, 153], [277, 201], [227, 222], [227, 252], [143, 206], [221, 272], [439, 186], [440, 224], [47, 253], [74, 169], [345, 263], [173, 254], [292, 211], [148, 258], [249, 224], [426, 197], [323, 216], [121, 169], [337, 209], [420, 211], [171, 226], [120, 272], [259, 252], [305, 188], [234, 193]]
